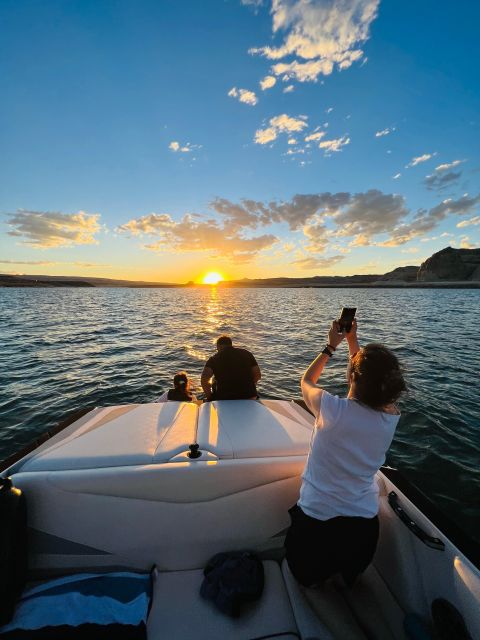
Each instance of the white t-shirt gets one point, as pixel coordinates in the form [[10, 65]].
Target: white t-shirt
[[348, 447]]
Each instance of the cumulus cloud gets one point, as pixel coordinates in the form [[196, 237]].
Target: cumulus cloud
[[289, 88], [423, 158], [194, 234], [384, 132], [469, 223], [268, 82], [439, 180], [295, 212], [280, 124], [369, 214], [319, 35], [244, 95], [425, 221], [332, 146], [310, 263], [47, 229], [176, 147]]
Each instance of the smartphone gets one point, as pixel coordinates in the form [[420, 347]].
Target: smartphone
[[346, 318]]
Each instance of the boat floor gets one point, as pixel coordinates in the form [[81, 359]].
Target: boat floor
[[368, 611]]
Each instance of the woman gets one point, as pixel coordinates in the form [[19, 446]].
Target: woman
[[181, 390], [334, 524]]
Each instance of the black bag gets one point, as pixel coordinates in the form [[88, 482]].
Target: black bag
[[231, 579], [13, 547]]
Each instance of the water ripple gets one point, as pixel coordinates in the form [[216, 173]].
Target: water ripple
[[63, 349]]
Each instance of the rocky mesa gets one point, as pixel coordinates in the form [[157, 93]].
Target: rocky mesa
[[454, 265]]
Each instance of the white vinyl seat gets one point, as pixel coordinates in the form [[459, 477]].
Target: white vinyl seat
[[178, 611]]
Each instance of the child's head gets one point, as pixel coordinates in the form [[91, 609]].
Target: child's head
[[181, 382], [377, 375]]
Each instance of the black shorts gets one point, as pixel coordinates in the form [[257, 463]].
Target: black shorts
[[317, 549]]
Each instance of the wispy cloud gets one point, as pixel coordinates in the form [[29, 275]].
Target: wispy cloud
[[332, 146], [419, 159], [315, 136], [176, 147], [318, 35], [311, 263], [448, 165], [469, 223], [384, 132], [425, 221], [280, 124], [396, 176], [268, 82], [289, 88], [47, 229], [244, 95], [44, 263], [440, 180]]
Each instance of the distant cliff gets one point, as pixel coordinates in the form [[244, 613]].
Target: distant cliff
[[454, 265]]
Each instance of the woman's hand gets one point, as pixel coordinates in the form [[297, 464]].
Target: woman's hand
[[335, 335], [351, 336]]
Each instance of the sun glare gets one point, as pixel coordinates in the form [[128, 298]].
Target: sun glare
[[212, 277]]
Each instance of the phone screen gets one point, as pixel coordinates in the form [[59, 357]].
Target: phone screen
[[346, 318]]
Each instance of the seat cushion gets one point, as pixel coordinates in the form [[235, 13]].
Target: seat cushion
[[178, 611]]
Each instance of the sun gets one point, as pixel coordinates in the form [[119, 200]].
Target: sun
[[212, 277]]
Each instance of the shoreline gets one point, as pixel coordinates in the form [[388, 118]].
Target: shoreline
[[353, 285]]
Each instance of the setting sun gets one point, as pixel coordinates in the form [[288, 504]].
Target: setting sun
[[212, 277]]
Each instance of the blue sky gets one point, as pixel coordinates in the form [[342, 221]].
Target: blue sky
[[137, 140]]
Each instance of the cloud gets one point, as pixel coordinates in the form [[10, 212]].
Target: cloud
[[332, 146], [255, 4], [319, 36], [47, 229], [244, 95], [315, 136], [268, 82], [51, 262], [279, 124], [469, 223], [176, 147], [384, 132], [295, 212], [369, 214], [396, 176], [194, 234], [289, 88], [414, 161], [465, 244], [310, 263], [448, 165], [440, 180], [424, 221]]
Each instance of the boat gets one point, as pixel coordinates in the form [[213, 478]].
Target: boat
[[172, 484]]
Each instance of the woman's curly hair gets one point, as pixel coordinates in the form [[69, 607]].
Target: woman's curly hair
[[378, 376]]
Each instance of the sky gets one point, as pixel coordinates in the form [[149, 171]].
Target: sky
[[162, 139]]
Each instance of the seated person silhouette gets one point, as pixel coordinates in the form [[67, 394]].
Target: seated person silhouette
[[181, 390], [235, 372]]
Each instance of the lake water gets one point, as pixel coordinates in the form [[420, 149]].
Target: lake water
[[64, 349]]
